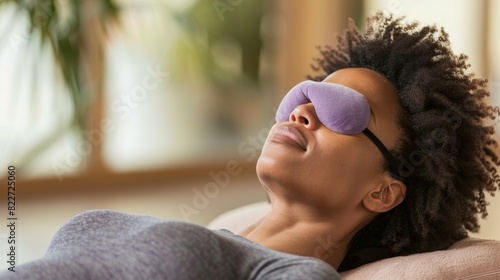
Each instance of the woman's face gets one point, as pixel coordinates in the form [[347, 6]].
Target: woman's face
[[303, 161]]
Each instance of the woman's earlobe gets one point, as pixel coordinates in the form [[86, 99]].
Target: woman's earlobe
[[386, 198]]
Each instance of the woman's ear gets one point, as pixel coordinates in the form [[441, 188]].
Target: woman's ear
[[386, 196]]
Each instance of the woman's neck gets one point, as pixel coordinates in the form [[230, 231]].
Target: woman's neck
[[287, 231]]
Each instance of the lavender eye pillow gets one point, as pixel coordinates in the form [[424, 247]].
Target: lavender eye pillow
[[339, 108]]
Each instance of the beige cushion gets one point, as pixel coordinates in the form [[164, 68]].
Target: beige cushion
[[239, 219], [466, 259], [470, 258]]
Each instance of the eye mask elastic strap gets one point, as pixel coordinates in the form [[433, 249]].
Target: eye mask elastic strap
[[393, 163]]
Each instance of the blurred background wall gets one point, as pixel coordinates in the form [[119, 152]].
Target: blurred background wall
[[161, 107]]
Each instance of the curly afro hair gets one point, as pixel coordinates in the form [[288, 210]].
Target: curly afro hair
[[446, 154]]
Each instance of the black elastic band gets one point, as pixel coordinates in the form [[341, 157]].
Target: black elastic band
[[393, 163]]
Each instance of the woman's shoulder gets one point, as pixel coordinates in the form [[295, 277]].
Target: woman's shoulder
[[102, 219], [93, 227], [105, 218]]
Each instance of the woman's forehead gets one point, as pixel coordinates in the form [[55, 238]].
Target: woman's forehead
[[363, 80]]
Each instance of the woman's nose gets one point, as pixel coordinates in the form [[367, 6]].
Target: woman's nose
[[305, 114]]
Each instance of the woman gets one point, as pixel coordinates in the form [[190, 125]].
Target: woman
[[324, 185], [445, 151], [386, 154]]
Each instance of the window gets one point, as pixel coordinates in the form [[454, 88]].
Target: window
[[171, 83]]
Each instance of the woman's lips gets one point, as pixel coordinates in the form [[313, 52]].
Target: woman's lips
[[289, 134]]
